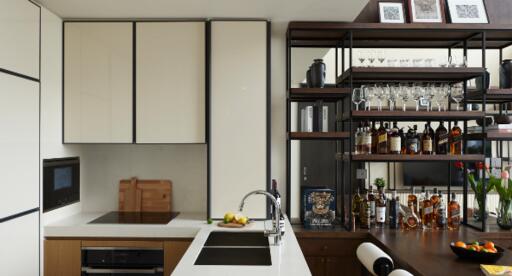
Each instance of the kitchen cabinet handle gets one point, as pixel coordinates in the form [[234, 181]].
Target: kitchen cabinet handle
[[121, 271]]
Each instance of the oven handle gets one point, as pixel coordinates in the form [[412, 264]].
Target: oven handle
[[122, 271]]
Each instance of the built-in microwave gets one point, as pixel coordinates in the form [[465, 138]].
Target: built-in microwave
[[61, 182]]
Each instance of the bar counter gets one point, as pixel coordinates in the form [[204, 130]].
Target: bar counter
[[426, 253]]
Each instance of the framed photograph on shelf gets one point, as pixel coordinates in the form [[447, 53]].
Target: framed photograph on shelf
[[467, 11], [426, 11], [391, 12]]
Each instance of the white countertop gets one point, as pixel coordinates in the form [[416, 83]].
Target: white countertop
[[287, 259]]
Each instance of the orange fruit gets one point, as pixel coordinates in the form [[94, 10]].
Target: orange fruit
[[492, 250], [489, 245], [460, 244]]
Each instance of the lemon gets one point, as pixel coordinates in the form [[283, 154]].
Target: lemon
[[228, 217], [243, 220]]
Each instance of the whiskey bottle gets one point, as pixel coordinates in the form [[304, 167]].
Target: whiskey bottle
[[358, 138], [414, 199], [441, 138], [431, 130], [382, 143], [366, 140], [356, 204], [456, 140], [440, 214], [395, 144], [372, 203], [426, 141], [420, 202], [380, 208], [375, 138], [412, 141], [394, 210], [410, 219], [401, 133], [453, 214], [435, 200], [428, 212], [364, 215]]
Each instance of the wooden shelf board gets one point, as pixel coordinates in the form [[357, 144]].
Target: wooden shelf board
[[417, 115], [412, 158], [493, 95], [491, 135], [318, 93], [393, 74], [318, 135]]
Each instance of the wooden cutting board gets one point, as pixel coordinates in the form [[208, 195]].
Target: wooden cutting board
[[137, 195]]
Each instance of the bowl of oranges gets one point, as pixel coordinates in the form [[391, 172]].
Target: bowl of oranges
[[483, 252]]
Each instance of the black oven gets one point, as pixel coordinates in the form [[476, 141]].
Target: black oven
[[61, 182], [118, 261]]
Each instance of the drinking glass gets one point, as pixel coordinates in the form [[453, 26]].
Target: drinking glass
[[445, 94], [429, 93], [404, 95], [371, 58], [438, 96], [368, 96], [380, 95], [392, 62], [404, 62], [394, 94], [429, 62], [417, 62], [380, 58], [417, 94], [357, 97], [457, 94]]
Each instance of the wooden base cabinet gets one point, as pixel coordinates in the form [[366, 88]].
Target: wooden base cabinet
[[63, 257], [331, 256]]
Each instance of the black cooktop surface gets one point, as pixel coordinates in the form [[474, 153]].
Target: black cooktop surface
[[136, 218]]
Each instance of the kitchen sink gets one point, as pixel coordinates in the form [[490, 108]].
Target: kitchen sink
[[224, 238], [259, 256], [235, 248]]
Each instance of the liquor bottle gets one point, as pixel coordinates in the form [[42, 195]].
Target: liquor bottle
[[441, 138], [456, 140], [401, 133], [380, 208], [395, 144], [382, 143], [277, 195], [453, 214], [431, 130], [412, 141], [366, 140], [358, 138], [414, 199], [375, 138], [394, 210], [435, 200], [420, 202], [426, 141], [428, 212], [440, 214], [364, 215], [356, 204], [410, 219], [371, 200]]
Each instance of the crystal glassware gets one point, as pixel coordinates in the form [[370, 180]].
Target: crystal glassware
[[417, 62], [380, 94], [417, 94], [392, 62], [405, 62], [368, 96], [357, 97], [457, 94], [394, 94], [404, 94]]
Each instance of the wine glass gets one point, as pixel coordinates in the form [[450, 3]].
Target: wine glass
[[445, 93], [380, 58], [417, 62], [404, 62], [457, 94], [369, 94], [371, 58], [380, 94], [430, 90], [404, 95], [417, 94], [357, 97], [392, 62], [394, 94]]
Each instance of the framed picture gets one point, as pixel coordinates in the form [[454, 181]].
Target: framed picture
[[467, 11], [391, 12], [426, 11]]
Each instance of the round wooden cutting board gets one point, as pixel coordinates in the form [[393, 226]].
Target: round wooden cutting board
[[231, 225]]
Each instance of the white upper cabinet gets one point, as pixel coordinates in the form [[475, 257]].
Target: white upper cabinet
[[238, 116], [98, 82], [170, 86], [19, 32]]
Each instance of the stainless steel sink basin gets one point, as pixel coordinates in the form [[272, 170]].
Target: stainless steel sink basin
[[224, 238], [235, 248]]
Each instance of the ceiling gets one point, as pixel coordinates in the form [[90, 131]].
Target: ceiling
[[275, 10]]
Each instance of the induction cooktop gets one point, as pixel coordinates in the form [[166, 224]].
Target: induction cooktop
[[135, 218]]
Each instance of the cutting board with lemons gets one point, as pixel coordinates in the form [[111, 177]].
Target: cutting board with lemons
[[232, 220]]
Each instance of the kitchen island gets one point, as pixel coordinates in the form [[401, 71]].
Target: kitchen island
[[286, 259]]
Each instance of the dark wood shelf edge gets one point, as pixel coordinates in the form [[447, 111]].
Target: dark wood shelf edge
[[417, 115], [411, 158], [318, 135]]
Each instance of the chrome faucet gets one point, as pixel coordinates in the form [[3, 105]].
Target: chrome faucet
[[276, 230]]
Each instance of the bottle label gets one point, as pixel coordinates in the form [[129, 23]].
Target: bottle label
[[443, 139], [366, 140], [457, 138], [383, 138], [372, 208], [455, 213], [381, 214], [427, 145], [395, 144], [412, 145], [428, 210], [441, 216]]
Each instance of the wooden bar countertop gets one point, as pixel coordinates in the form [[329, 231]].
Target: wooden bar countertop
[[425, 253]]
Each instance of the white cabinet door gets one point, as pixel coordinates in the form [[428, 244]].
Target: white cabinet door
[[19, 144], [19, 32], [238, 145], [98, 82], [19, 240], [170, 82]]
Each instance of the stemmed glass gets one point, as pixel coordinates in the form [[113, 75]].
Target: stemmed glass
[[369, 94], [404, 95], [394, 93], [357, 97], [429, 95], [380, 58], [371, 58], [417, 94], [445, 93], [457, 94], [380, 93]]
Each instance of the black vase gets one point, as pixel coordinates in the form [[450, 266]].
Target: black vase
[[318, 73], [506, 73], [480, 85], [308, 78]]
